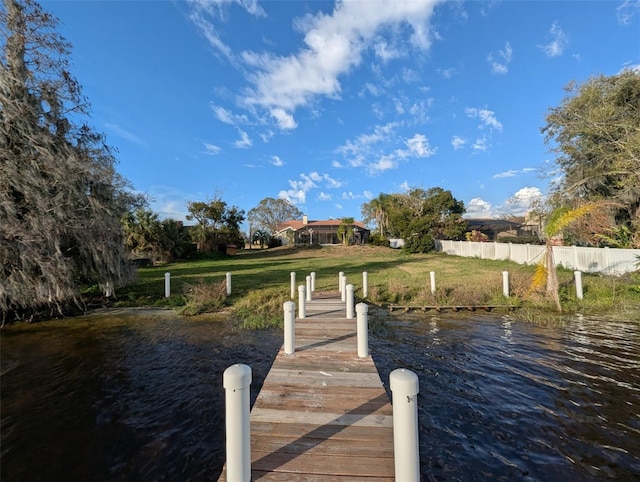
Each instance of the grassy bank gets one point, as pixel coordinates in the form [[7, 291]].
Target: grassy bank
[[261, 283]]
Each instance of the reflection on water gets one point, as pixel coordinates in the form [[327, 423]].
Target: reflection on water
[[139, 397]]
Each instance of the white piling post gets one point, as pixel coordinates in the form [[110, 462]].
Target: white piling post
[[340, 276], [404, 393], [313, 281], [343, 289], [236, 382], [432, 278], [293, 285], [228, 284], [301, 300], [365, 284], [362, 329], [350, 302], [308, 292], [167, 285], [289, 327], [505, 284], [578, 277]]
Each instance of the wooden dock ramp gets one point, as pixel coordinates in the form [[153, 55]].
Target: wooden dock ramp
[[322, 413]]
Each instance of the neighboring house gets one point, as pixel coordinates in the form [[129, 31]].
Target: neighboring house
[[494, 228], [304, 231]]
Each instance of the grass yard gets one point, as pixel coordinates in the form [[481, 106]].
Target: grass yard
[[261, 283]]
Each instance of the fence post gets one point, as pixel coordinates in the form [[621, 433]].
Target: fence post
[[301, 298], [167, 285], [432, 278], [343, 289], [350, 301], [365, 284], [505, 284], [293, 285], [289, 327], [236, 382], [308, 291], [362, 329], [340, 276], [578, 277], [404, 393], [228, 284], [313, 281]]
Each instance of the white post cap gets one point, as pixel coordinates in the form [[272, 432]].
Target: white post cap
[[237, 377]]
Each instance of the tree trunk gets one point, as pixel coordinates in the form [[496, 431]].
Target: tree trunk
[[552, 277]]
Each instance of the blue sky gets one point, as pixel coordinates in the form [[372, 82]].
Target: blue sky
[[329, 104]]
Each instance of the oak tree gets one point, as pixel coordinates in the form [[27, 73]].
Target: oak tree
[[61, 198]]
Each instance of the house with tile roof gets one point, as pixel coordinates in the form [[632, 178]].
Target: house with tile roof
[[305, 231]]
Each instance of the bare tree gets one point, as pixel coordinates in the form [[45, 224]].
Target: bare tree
[[60, 196], [271, 212]]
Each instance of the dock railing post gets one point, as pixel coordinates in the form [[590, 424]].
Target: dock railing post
[[432, 278], [365, 284], [289, 327], [236, 381], [350, 302], [343, 288], [228, 284], [308, 279], [313, 281], [404, 393], [167, 285], [362, 329], [505, 284], [293, 285], [340, 276], [301, 300], [578, 277]]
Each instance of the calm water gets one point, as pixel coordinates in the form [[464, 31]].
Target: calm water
[[140, 397]]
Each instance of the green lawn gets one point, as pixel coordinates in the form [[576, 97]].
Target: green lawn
[[261, 282]]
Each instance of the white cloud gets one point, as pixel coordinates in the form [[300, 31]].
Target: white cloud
[[324, 196], [559, 41], [299, 188], [285, 120], [480, 144], [521, 201], [419, 146], [276, 161], [367, 194], [447, 73], [500, 60], [487, 117], [458, 142], [211, 149], [510, 173], [513, 173], [228, 117], [385, 163], [478, 208], [627, 10], [334, 44], [244, 142], [405, 186]]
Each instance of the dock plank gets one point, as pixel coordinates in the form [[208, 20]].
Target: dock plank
[[323, 413]]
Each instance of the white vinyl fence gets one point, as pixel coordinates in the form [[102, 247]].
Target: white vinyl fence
[[589, 260]]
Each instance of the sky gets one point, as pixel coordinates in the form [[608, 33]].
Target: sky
[[329, 104]]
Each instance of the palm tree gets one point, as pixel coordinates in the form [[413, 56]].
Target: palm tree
[[559, 219]]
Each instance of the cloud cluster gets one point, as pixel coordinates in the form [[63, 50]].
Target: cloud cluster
[[501, 59], [334, 44], [297, 194], [558, 42]]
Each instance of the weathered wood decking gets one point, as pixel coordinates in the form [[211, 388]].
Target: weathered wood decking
[[322, 413]]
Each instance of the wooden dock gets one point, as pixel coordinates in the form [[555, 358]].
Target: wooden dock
[[323, 413]]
